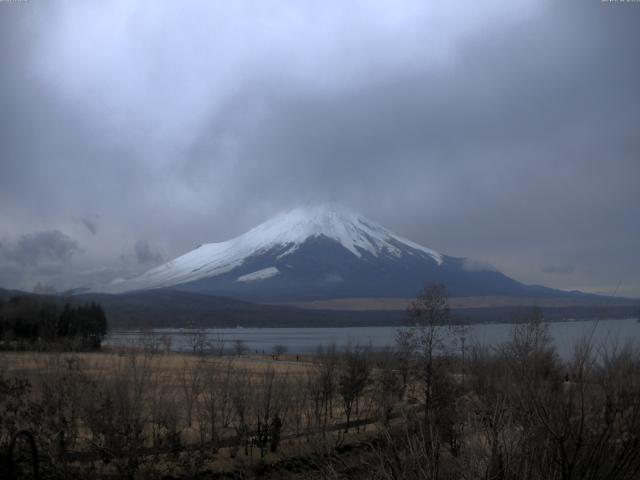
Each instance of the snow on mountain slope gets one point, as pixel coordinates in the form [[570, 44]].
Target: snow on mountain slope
[[259, 275], [285, 233]]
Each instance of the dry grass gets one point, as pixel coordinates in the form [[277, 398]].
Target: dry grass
[[31, 364], [165, 377]]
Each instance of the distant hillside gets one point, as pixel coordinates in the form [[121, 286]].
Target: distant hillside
[[167, 308]]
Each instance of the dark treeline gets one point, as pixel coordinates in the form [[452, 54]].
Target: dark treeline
[[29, 321]]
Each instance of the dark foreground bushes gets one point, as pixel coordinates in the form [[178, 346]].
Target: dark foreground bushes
[[516, 411], [520, 413]]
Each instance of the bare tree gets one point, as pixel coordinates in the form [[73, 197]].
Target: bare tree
[[218, 344], [191, 386], [165, 340], [216, 396], [150, 342], [115, 414], [298, 396], [388, 386], [266, 406], [239, 347], [241, 399], [313, 406], [405, 353], [421, 347], [327, 362], [429, 312], [278, 350], [197, 340], [355, 370]]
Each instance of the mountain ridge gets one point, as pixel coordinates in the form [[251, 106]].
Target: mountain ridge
[[281, 235], [321, 252]]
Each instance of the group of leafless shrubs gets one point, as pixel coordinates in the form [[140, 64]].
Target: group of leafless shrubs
[[144, 413], [515, 411]]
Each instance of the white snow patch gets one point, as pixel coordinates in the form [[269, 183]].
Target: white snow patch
[[259, 275]]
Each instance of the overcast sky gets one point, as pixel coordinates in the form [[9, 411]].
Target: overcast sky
[[503, 131]]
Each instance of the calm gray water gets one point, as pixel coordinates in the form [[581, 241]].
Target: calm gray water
[[608, 332]]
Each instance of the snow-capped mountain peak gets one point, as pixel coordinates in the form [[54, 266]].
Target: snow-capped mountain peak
[[283, 234], [351, 230]]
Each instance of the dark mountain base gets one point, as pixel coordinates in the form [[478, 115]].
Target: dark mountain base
[[322, 269]]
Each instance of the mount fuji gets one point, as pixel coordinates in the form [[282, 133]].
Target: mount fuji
[[321, 252]]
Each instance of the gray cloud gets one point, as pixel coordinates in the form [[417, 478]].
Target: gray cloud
[[145, 255], [559, 269], [44, 289], [91, 224], [505, 132], [40, 248], [34, 256], [473, 265]]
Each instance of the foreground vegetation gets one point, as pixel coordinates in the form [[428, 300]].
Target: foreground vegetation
[[422, 410]]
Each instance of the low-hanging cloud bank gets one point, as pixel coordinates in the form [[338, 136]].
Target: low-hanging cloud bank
[[506, 132]]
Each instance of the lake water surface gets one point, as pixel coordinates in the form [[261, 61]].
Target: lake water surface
[[608, 332]]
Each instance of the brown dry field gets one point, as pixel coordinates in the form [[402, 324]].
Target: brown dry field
[[169, 367], [30, 364]]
